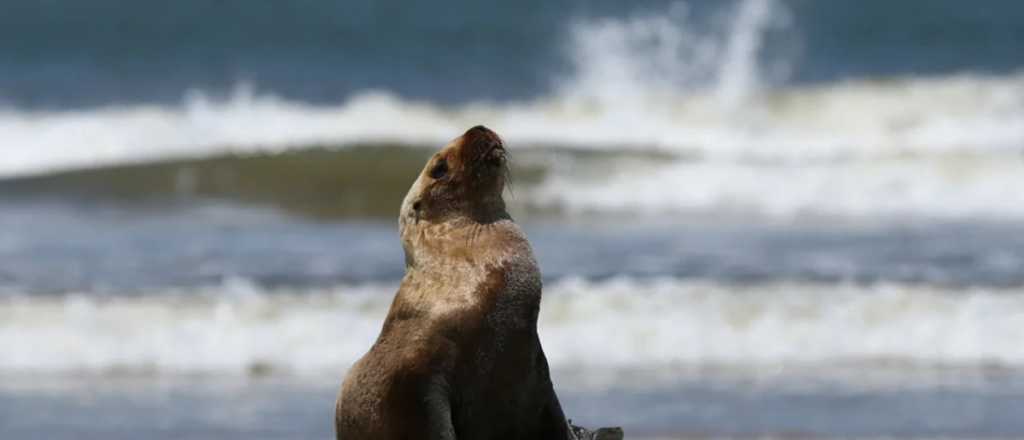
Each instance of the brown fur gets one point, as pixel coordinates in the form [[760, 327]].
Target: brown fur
[[458, 356]]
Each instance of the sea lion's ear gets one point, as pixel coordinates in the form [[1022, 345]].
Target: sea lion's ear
[[416, 211]]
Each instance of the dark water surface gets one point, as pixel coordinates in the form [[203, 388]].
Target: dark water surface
[[59, 54]]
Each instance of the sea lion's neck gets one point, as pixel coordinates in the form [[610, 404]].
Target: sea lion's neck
[[472, 212], [454, 265], [441, 246]]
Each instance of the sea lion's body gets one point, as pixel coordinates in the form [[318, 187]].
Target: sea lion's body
[[458, 356]]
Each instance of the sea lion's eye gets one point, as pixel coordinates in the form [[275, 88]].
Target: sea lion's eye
[[439, 170]]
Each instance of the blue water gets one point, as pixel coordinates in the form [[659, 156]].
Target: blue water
[[60, 54], [117, 250], [229, 408]]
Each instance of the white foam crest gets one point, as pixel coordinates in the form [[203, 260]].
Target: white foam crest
[[945, 187], [625, 323], [975, 114], [233, 330], [245, 122], [615, 324]]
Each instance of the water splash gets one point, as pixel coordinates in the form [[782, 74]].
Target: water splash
[[739, 74], [628, 63]]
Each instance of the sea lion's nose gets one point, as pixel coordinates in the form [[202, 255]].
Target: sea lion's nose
[[481, 130], [481, 141], [483, 136]]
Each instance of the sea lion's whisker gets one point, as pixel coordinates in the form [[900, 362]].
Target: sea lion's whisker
[[506, 175]]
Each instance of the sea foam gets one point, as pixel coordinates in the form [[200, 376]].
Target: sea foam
[[616, 324]]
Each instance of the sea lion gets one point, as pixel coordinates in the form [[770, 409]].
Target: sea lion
[[458, 356]]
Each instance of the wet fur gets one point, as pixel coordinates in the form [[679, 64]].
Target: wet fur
[[458, 356]]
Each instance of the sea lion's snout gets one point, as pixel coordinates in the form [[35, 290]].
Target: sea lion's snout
[[481, 144], [495, 155]]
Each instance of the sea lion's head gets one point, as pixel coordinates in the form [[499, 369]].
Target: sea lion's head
[[462, 181], [461, 184]]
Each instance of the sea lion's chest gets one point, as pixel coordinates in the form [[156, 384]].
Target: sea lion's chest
[[468, 296]]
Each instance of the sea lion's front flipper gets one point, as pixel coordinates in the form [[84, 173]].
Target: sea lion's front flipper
[[580, 433], [609, 434]]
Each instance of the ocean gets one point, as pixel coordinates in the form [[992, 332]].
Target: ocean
[[754, 218]]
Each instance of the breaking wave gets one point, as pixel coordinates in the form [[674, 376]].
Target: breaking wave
[[736, 137], [620, 323]]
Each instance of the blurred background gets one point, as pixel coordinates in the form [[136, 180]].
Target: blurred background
[[755, 219]]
